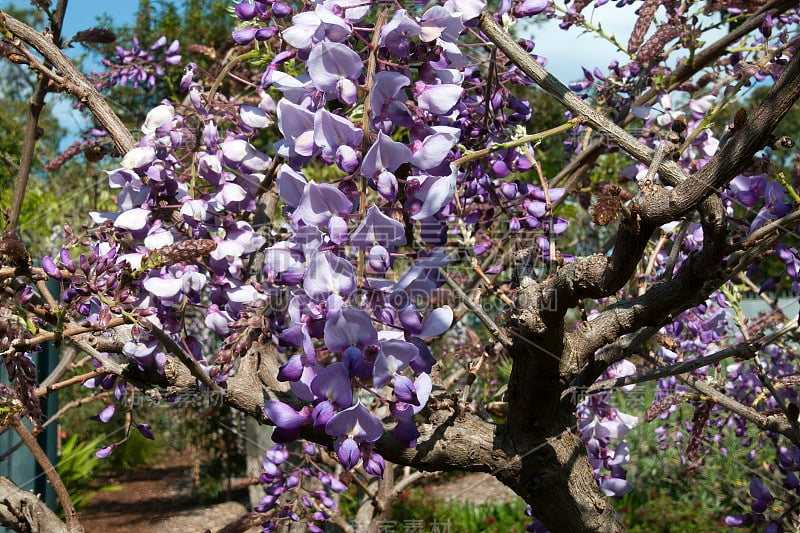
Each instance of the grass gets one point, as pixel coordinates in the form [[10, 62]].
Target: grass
[[423, 506]]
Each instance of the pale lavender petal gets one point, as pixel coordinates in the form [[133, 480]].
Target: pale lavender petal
[[438, 99], [333, 384], [378, 228], [105, 415], [468, 9], [319, 202], [438, 22], [434, 148], [423, 386], [329, 62], [163, 287], [437, 192], [139, 157], [105, 452], [386, 184], [437, 322], [254, 116], [157, 117], [134, 219], [615, 487], [332, 131], [384, 155], [329, 274], [290, 185], [284, 416], [379, 258], [348, 453], [337, 230]]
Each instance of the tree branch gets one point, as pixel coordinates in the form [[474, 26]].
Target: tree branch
[[738, 152], [73, 526], [80, 86], [583, 161], [35, 105], [570, 100], [21, 510], [774, 423]]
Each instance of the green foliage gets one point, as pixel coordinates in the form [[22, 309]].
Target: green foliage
[[77, 466], [204, 22], [423, 505], [136, 451], [657, 512], [209, 488], [223, 452], [666, 496]]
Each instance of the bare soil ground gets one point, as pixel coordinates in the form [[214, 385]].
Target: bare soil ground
[[159, 499], [474, 488]]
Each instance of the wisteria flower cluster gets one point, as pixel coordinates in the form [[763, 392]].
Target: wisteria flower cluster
[[138, 67], [315, 207]]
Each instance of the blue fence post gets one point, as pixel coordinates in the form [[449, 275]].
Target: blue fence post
[[21, 467]]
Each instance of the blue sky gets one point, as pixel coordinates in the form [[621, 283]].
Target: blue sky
[[82, 14], [566, 51]]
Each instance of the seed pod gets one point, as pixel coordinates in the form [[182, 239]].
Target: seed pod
[[655, 45], [662, 406], [95, 36], [646, 14], [182, 251]]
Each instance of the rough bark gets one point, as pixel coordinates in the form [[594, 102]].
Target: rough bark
[[537, 452], [22, 511]]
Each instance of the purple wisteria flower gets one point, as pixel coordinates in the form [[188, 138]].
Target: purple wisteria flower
[[381, 161], [378, 229], [351, 427], [296, 124], [386, 110], [395, 33], [311, 27], [334, 69], [338, 139], [328, 275]]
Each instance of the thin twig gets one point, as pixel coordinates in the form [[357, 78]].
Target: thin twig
[[23, 345], [194, 367], [44, 391], [777, 424], [651, 264], [743, 350], [110, 366], [532, 138], [77, 82], [409, 480], [520, 57], [498, 333], [677, 244], [50, 471], [372, 62]]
